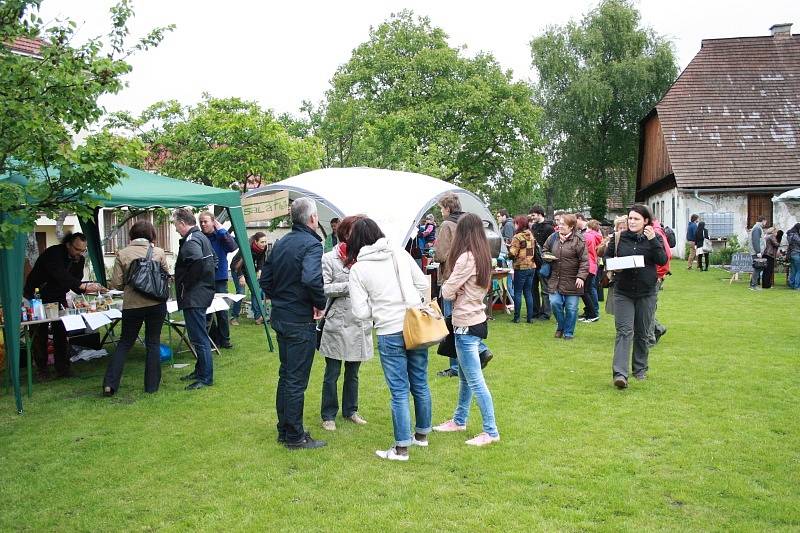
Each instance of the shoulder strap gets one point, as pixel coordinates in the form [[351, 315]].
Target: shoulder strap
[[149, 255], [617, 235], [399, 281]]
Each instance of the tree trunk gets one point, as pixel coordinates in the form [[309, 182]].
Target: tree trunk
[[62, 216], [598, 200]]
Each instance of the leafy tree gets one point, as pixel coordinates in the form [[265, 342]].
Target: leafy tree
[[47, 98], [222, 142], [597, 79], [406, 100]]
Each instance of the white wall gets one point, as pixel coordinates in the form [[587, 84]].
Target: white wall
[[686, 205]]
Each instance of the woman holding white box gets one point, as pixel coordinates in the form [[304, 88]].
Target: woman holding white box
[[634, 292]]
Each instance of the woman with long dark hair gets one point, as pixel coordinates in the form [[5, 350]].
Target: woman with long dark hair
[[258, 250], [137, 309], [522, 251], [467, 286], [635, 293], [384, 282], [700, 236], [345, 339]]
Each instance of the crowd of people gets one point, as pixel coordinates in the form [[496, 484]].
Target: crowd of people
[[330, 297]]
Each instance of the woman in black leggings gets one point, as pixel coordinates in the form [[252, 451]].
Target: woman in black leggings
[[700, 236]]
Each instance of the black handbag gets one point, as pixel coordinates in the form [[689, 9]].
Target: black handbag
[[146, 277], [321, 322]]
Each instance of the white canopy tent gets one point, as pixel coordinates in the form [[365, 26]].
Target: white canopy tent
[[786, 212], [395, 200]]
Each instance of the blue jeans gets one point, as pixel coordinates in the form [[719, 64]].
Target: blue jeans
[[236, 308], [470, 377], [565, 308], [195, 318], [591, 307], [523, 284], [794, 281], [297, 342], [447, 310], [406, 370]]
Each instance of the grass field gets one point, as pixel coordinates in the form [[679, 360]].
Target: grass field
[[711, 441]]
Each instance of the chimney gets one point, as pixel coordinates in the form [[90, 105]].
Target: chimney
[[781, 30]]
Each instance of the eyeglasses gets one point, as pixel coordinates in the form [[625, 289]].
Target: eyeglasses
[[79, 251]]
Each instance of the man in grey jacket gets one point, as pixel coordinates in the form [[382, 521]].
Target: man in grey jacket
[[756, 236]]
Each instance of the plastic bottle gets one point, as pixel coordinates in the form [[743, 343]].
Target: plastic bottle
[[37, 306]]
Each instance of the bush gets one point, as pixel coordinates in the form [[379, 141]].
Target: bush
[[723, 256]]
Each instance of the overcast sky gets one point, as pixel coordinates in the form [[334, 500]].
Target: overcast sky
[[281, 53]]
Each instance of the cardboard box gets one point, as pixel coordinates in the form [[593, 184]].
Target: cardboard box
[[622, 263]]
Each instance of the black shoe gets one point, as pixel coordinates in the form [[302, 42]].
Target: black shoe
[[189, 377], [447, 373], [641, 376], [621, 382], [660, 334], [108, 391], [485, 356], [306, 443], [543, 317], [515, 320], [197, 385], [227, 346]]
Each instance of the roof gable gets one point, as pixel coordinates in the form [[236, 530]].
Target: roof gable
[[732, 119]]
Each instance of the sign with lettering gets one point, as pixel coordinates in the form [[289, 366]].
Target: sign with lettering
[[265, 206], [741, 262]]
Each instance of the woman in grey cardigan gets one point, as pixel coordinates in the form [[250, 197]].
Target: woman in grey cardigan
[[344, 337]]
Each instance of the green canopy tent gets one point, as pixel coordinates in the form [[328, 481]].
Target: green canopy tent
[[136, 190]]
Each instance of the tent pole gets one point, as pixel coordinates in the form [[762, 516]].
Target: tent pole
[[11, 260], [237, 222]]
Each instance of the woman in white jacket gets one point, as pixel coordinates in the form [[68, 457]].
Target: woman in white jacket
[[376, 295]]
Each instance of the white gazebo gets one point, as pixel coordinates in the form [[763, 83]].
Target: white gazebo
[[395, 200], [786, 212]]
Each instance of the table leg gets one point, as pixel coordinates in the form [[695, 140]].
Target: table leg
[[28, 345]]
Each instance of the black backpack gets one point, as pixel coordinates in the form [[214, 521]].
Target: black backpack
[[147, 277], [670, 237]]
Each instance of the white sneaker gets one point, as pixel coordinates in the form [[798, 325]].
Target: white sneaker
[[391, 454], [356, 418], [329, 425], [423, 443]]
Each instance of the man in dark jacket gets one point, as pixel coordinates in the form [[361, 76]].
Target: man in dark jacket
[[292, 279], [194, 290], [222, 243], [542, 229], [57, 271]]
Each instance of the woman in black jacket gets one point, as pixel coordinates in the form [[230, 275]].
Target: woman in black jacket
[[635, 293], [699, 237]]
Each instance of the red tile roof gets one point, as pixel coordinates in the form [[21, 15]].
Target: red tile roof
[[732, 119], [27, 46]]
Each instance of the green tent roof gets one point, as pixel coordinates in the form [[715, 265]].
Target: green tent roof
[[145, 189], [138, 188]]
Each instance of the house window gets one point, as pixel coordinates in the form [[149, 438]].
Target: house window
[[757, 205], [673, 213], [121, 239]]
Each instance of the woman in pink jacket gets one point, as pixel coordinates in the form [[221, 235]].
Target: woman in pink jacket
[[591, 306], [466, 287]]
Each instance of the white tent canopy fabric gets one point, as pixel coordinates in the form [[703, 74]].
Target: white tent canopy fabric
[[395, 200], [794, 194], [786, 209]]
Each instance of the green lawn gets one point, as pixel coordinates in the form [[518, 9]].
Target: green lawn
[[710, 441]]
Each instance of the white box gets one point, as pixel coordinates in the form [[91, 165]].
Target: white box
[[622, 263]]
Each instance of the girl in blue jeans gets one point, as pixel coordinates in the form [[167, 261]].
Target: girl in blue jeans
[[384, 282], [467, 286]]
